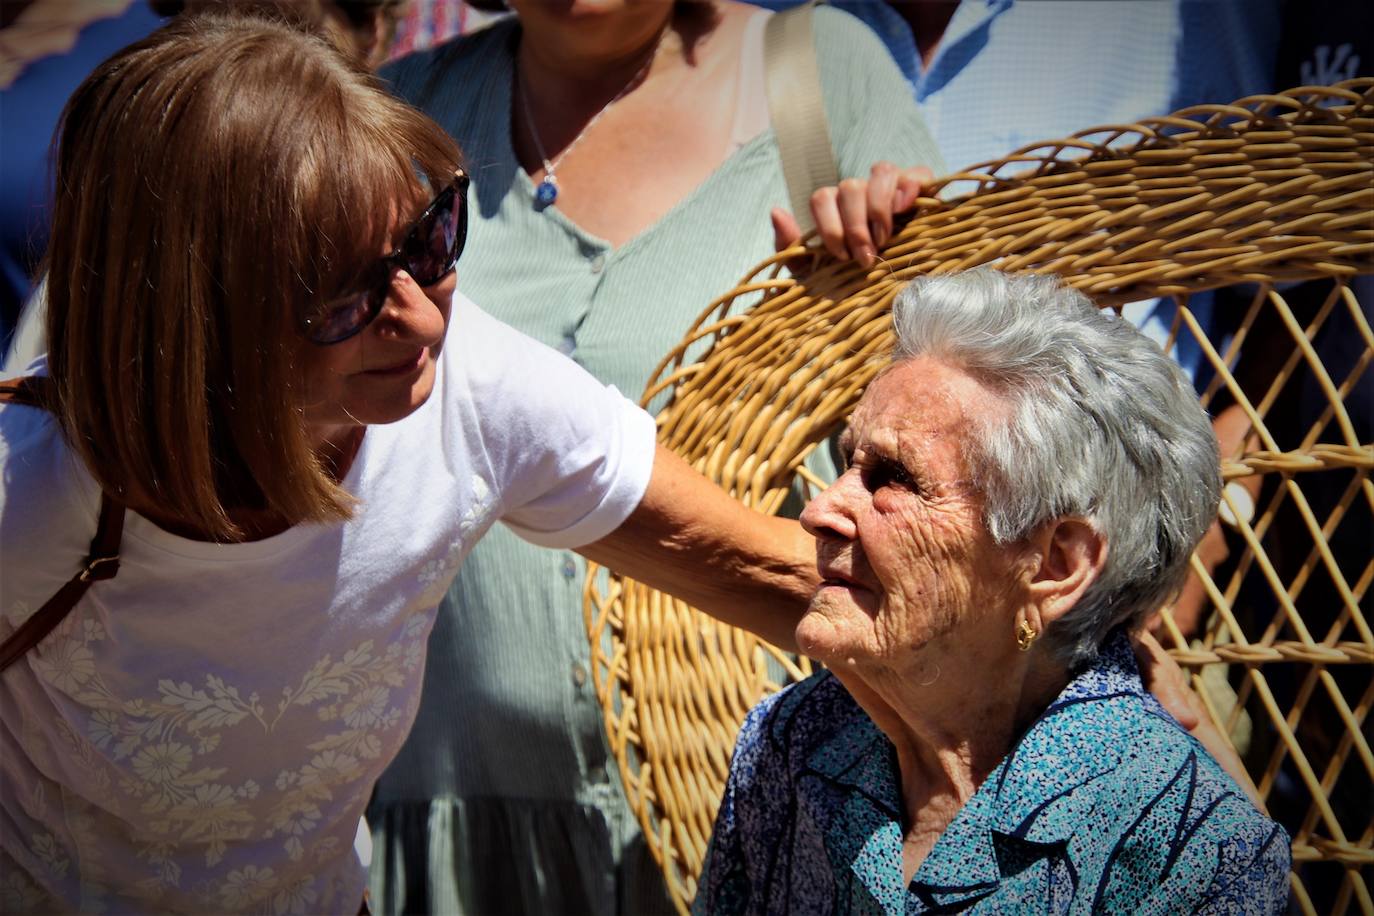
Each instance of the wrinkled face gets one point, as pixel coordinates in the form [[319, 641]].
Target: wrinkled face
[[906, 562], [386, 371]]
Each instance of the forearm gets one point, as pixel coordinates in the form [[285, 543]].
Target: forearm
[[691, 540]]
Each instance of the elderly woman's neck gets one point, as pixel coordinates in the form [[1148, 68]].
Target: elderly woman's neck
[[951, 730]]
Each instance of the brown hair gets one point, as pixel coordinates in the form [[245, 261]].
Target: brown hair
[[215, 182]]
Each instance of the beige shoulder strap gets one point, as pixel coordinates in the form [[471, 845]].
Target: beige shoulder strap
[[796, 108]]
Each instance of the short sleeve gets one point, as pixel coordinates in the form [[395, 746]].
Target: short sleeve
[[872, 113], [569, 457]]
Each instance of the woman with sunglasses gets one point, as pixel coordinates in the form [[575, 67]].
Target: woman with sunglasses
[[624, 172], [261, 380]]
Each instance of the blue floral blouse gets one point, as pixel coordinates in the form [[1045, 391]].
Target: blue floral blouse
[[1104, 805]]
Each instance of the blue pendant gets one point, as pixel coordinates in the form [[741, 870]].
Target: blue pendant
[[546, 192]]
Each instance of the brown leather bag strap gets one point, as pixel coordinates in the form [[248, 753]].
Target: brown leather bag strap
[[31, 391], [101, 563]]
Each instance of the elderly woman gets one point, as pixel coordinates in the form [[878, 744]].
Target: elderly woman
[[1024, 487]]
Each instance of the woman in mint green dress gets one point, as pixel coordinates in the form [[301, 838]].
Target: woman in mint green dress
[[654, 120]]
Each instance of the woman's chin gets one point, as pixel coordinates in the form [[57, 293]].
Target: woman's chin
[[839, 623], [821, 637], [421, 390], [390, 403]]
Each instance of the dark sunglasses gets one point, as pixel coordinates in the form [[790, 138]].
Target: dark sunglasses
[[428, 253]]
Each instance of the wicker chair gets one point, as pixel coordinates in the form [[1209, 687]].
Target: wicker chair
[[1271, 190]]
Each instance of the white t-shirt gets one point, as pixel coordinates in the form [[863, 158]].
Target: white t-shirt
[[202, 732]]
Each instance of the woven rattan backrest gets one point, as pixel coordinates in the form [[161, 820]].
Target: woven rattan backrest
[[1262, 193]]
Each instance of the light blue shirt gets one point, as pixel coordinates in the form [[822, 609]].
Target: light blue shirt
[[1007, 74]]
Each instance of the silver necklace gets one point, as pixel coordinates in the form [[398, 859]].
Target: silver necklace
[[546, 192]]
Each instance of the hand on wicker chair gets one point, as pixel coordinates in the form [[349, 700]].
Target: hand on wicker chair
[[855, 218]]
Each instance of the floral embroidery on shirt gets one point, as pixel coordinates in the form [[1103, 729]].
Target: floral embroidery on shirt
[[18, 894], [17, 613], [244, 887], [436, 575], [165, 747]]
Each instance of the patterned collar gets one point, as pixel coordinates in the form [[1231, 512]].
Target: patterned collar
[[1034, 805]]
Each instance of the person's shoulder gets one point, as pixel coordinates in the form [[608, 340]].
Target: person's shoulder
[[473, 350], [534, 406], [802, 717], [1169, 809], [1130, 744], [868, 100], [1158, 755], [43, 492], [843, 39], [799, 700], [1165, 780], [31, 452], [495, 38], [25, 431], [1137, 795], [835, 27], [1127, 750], [1162, 760]]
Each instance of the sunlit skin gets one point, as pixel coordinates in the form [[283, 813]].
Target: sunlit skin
[[661, 140], [670, 131], [918, 605]]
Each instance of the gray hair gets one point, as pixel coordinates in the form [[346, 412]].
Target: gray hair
[[1101, 425]]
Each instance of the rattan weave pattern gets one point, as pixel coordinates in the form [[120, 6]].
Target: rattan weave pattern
[[1268, 190]]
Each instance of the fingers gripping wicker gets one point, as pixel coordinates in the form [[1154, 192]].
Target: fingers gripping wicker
[[1270, 189]]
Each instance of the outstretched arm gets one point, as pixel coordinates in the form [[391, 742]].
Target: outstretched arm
[[692, 540]]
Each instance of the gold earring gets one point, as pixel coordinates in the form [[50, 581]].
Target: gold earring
[[1025, 635]]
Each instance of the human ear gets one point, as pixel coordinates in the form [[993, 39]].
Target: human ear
[[1069, 554]]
